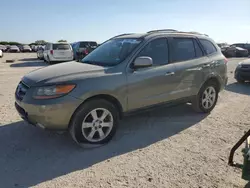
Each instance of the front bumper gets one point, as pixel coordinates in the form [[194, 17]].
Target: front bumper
[[53, 114], [242, 74]]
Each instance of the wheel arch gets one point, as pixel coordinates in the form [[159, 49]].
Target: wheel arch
[[106, 97], [215, 79]]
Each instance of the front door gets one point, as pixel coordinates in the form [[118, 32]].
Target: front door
[[153, 85]]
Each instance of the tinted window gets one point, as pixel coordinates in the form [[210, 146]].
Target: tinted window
[[61, 47], [198, 51], [183, 49], [92, 44], [247, 46], [157, 50], [208, 46], [83, 44]]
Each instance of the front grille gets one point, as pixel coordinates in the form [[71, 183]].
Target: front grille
[[21, 90]]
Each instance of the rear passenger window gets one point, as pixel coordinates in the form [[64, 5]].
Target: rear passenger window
[[157, 50], [208, 46], [198, 50], [183, 49]]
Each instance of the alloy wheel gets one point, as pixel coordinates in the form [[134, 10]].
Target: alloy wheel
[[97, 125]]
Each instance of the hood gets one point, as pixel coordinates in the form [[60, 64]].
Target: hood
[[63, 72], [246, 62]]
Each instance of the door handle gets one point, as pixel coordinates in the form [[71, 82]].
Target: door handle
[[169, 74]]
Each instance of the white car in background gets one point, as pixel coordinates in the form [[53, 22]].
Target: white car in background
[[58, 52], [14, 48], [1, 53]]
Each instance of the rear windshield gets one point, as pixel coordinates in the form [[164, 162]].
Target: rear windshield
[[83, 44], [87, 44], [92, 43], [61, 47]]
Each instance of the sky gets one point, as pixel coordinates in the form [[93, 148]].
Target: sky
[[74, 20]]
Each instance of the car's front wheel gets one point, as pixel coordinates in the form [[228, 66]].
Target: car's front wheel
[[95, 122], [207, 98]]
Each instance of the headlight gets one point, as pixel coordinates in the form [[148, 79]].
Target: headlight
[[239, 65], [49, 92]]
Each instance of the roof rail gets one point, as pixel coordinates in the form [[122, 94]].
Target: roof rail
[[122, 35], [176, 31], [193, 32], [163, 30]]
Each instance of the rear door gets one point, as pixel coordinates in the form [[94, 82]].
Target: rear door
[[152, 85], [191, 65], [218, 64], [61, 51]]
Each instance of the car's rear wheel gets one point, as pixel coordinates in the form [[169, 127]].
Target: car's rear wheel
[[94, 123], [207, 97]]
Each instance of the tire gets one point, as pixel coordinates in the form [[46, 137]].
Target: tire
[[84, 114], [199, 102], [49, 62]]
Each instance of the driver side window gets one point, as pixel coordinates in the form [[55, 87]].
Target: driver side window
[[157, 50]]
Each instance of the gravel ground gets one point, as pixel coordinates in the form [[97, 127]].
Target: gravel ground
[[167, 147]]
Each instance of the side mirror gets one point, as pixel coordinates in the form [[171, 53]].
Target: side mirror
[[142, 62]]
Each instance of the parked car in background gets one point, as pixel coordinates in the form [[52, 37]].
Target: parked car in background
[[127, 73], [3, 48], [14, 48], [1, 53], [83, 48], [26, 48], [40, 50], [242, 71], [58, 52], [234, 51], [243, 45], [34, 48]]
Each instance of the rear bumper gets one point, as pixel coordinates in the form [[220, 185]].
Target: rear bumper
[[61, 59]]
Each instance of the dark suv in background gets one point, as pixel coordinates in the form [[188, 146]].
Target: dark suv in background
[[243, 45], [127, 73], [83, 48]]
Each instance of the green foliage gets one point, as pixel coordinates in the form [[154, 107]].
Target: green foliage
[[40, 42], [9, 43], [62, 41]]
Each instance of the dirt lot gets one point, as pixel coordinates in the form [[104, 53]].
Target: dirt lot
[[168, 147]]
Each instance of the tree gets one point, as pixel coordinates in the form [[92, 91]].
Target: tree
[[62, 40], [40, 42], [9, 43]]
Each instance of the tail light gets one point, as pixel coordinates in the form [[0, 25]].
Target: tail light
[[51, 52], [86, 51]]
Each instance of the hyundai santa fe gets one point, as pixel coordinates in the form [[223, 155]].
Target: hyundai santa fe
[[127, 73]]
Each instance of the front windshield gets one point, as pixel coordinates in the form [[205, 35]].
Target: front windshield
[[112, 52]]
